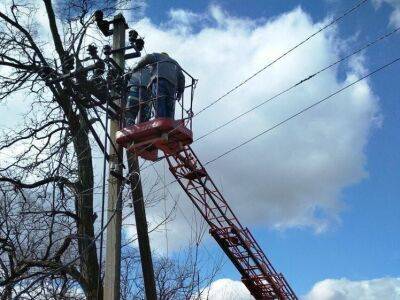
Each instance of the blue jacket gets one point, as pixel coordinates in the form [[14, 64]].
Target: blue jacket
[[163, 66], [141, 78]]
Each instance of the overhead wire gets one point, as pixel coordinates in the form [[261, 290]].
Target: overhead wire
[[293, 116], [334, 21], [307, 78], [248, 141], [265, 131], [300, 82], [91, 244], [303, 111], [360, 3]]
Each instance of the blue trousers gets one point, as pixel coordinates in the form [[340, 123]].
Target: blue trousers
[[163, 94], [133, 104]]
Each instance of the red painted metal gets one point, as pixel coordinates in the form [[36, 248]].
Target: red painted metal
[[170, 136], [236, 241], [146, 138]]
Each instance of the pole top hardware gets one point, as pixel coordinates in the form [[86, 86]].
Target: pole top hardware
[[136, 42], [104, 25], [120, 18]]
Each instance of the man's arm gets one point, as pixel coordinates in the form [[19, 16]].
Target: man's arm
[[181, 83], [147, 60]]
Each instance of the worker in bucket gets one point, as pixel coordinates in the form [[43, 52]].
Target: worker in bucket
[[139, 97], [167, 82]]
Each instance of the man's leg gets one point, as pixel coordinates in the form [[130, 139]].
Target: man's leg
[[132, 108], [171, 107], [160, 95], [145, 107]]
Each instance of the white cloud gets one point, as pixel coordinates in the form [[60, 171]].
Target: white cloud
[[186, 17], [344, 289], [295, 175], [224, 289], [395, 16], [328, 289]]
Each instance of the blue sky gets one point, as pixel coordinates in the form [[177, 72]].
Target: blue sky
[[321, 193], [364, 244]]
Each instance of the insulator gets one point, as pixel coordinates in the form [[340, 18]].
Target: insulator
[[98, 15], [133, 35], [139, 43], [92, 50], [107, 50], [100, 67], [103, 25]]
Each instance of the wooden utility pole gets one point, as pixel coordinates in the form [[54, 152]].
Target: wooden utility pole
[[113, 244], [141, 227]]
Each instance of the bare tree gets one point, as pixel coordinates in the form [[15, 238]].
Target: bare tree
[[48, 244]]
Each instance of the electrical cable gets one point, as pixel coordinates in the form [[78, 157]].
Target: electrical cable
[[302, 111], [292, 116], [302, 81], [369, 44], [92, 243], [334, 21]]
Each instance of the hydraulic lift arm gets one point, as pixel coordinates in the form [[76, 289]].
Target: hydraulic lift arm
[[258, 274]]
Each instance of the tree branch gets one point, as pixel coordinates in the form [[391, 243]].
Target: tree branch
[[21, 185]]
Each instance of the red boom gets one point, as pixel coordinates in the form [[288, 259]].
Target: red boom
[[258, 274]]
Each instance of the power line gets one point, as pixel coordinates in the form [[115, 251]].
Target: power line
[[302, 111], [334, 21], [307, 78], [199, 234], [91, 244]]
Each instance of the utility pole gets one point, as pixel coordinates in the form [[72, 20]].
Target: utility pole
[[141, 227], [114, 208], [113, 244]]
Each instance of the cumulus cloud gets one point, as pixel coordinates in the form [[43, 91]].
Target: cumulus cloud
[[395, 15], [223, 289], [344, 289], [295, 175], [328, 289]]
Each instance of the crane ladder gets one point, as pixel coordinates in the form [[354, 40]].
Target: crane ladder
[[258, 274]]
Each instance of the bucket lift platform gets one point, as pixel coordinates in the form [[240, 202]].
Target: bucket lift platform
[[145, 139], [174, 139]]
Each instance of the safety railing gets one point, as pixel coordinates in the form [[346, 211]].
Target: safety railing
[[144, 90]]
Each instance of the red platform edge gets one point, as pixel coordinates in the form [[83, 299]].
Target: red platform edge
[[148, 137]]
